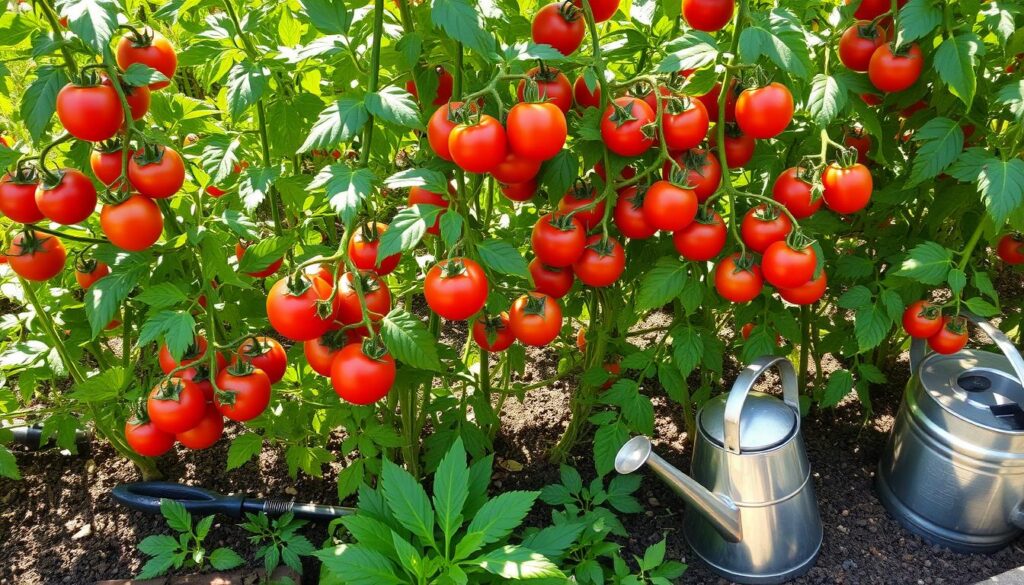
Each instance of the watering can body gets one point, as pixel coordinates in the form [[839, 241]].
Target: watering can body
[[753, 514], [953, 469]]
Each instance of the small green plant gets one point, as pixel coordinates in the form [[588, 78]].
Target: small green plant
[[400, 535], [279, 539], [187, 549]]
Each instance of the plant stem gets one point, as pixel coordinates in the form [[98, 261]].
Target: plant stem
[[51, 17], [67, 236], [374, 79]]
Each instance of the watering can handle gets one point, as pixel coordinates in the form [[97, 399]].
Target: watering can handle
[[745, 383], [919, 347]]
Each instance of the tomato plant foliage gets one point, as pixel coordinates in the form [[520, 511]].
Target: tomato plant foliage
[[286, 146]]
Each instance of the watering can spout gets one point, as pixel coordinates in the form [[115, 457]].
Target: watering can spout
[[719, 510]]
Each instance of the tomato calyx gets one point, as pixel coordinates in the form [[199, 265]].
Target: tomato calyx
[[369, 281], [150, 153], [85, 265], [544, 73], [956, 325], [930, 311], [108, 146], [603, 247], [252, 347], [31, 242], [241, 367], [169, 390], [637, 201], [581, 190], [535, 304], [847, 157], [374, 349], [138, 415], [901, 51], [743, 263], [140, 38], [621, 115], [705, 216], [24, 174], [677, 104], [569, 11], [869, 30], [493, 324], [563, 221], [453, 267]]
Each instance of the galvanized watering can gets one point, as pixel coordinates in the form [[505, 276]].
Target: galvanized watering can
[[754, 516], [953, 471]]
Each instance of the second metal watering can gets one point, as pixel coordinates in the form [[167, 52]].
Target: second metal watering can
[[753, 516]]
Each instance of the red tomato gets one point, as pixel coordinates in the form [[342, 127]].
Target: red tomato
[[764, 225], [922, 319], [551, 281], [456, 289], [737, 283], [622, 126], [581, 339], [871, 99], [244, 395], [847, 190], [18, 197], [36, 256], [479, 147], [651, 98], [157, 174], [519, 191], [579, 196], [89, 271], [684, 124], [536, 319], [601, 263], [1011, 248], [583, 96], [205, 433], [516, 169], [669, 207], [627, 172], [552, 86], [710, 100], [707, 15], [147, 440], [420, 196], [269, 270], [891, 72], [134, 224], [292, 308], [445, 82], [601, 9], [872, 9], [558, 240], [701, 240], [266, 354], [376, 294], [362, 249], [90, 112], [860, 142], [764, 112], [440, 127], [360, 378], [807, 293], [320, 352], [138, 99], [793, 191], [739, 148], [703, 172], [788, 267], [71, 200], [150, 49], [952, 336], [560, 25], [629, 214], [535, 131], [176, 405], [106, 165], [858, 43], [493, 334], [194, 354]]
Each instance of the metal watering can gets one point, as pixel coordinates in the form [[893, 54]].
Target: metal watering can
[[754, 515], [953, 470]]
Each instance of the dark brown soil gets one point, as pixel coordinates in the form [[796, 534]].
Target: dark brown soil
[[60, 495]]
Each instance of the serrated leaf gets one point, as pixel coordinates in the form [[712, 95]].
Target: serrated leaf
[[607, 441], [870, 326], [243, 448], [219, 157], [840, 383], [408, 501], [261, 255], [93, 21], [928, 263], [942, 141], [955, 61], [406, 229], [981, 307], [359, 565], [339, 122], [462, 21], [40, 99], [139, 75], [553, 541], [967, 167], [1011, 95], [176, 515], [428, 179], [104, 386], [247, 82], [661, 284], [916, 19], [409, 341], [451, 488], [827, 99], [158, 544], [957, 280], [8, 464], [346, 188], [558, 174], [330, 17], [516, 562], [687, 349], [529, 51], [1002, 187], [255, 185], [162, 295], [105, 296], [856, 298], [780, 39], [223, 559], [503, 257], [451, 227], [176, 328], [395, 105], [500, 515], [694, 50]]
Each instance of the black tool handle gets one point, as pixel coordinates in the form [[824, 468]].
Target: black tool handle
[[316, 512], [31, 437], [145, 496]]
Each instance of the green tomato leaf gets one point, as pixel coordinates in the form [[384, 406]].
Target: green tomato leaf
[[395, 105], [942, 141], [694, 50], [840, 383], [339, 122], [451, 488], [1011, 95], [955, 60], [503, 257], [916, 19], [408, 501], [223, 559], [1002, 187], [661, 284], [330, 17], [139, 75], [93, 21], [827, 99], [247, 82], [346, 188], [107, 385], [461, 21], [497, 518], [406, 229], [243, 448], [177, 328], [929, 263], [428, 179], [409, 341], [516, 562], [40, 99]]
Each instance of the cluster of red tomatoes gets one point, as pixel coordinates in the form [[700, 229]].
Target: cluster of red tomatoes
[[185, 408], [945, 334], [868, 46]]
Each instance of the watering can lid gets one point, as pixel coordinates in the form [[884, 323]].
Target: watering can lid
[[766, 421], [978, 386]]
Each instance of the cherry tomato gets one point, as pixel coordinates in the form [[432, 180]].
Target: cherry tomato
[[150, 49], [445, 82], [266, 354], [362, 249], [847, 189], [601, 9], [205, 433], [158, 174], [793, 191], [650, 97], [860, 142], [440, 127], [147, 440], [622, 126], [134, 224], [176, 405], [737, 283], [629, 214], [551, 281], [376, 294], [479, 147], [244, 394], [18, 197], [552, 86], [703, 172], [536, 319], [194, 354], [90, 112], [581, 339], [922, 319], [707, 15], [762, 226], [71, 200], [871, 99], [739, 148], [787, 267], [89, 272], [519, 191], [583, 96], [493, 334], [701, 240], [516, 169], [536, 131], [138, 99], [952, 336], [684, 124], [36, 256], [891, 72], [320, 352], [579, 196], [269, 270], [1011, 248], [558, 240], [106, 165], [456, 289], [668, 206], [292, 308], [858, 43], [602, 262], [560, 25], [764, 112], [360, 378], [420, 196]]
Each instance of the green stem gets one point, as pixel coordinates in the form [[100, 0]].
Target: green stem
[[805, 345], [51, 17], [67, 236], [374, 79], [275, 197]]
